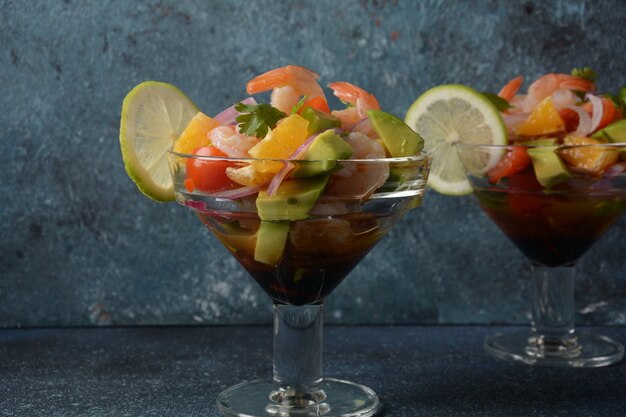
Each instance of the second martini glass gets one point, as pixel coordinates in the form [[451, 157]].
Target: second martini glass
[[317, 249], [553, 227]]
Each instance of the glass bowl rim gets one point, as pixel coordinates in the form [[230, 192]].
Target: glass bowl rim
[[610, 145], [423, 156]]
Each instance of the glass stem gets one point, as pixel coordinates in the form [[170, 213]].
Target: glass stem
[[553, 310], [297, 347]]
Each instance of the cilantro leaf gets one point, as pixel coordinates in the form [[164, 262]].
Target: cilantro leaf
[[500, 103], [586, 73], [298, 105], [257, 119]]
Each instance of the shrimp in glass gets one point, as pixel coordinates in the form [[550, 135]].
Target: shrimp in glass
[[361, 99], [511, 88], [233, 144], [288, 85], [359, 179], [559, 86]]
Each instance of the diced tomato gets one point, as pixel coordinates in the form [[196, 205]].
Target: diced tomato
[[570, 118], [318, 103], [525, 197], [619, 115], [525, 180], [515, 161], [608, 112], [208, 176], [525, 204]]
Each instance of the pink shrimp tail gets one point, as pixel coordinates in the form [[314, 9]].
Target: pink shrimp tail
[[278, 77], [511, 88], [578, 84], [350, 93]]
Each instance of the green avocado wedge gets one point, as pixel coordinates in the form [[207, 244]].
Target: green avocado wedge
[[397, 136], [323, 154], [292, 200], [549, 169], [319, 121], [270, 242], [615, 132]]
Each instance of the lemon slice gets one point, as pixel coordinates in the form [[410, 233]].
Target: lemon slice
[[154, 115], [446, 115]]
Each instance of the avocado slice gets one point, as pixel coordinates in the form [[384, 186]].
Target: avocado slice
[[615, 132], [399, 138], [549, 169], [292, 200], [270, 242], [324, 151], [319, 121]]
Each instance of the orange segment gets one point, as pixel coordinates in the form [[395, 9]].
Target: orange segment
[[195, 134], [248, 176], [290, 133], [591, 159], [543, 120]]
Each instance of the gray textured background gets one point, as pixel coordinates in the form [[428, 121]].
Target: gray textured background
[[80, 246]]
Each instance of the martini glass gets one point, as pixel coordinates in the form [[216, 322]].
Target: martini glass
[[318, 252], [553, 227]]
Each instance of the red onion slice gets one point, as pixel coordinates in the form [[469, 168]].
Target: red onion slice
[[584, 121], [363, 126], [279, 177], [299, 152], [597, 112], [284, 171], [237, 192], [196, 205], [228, 116]]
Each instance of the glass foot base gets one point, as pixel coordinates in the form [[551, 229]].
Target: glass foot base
[[580, 351], [335, 398]]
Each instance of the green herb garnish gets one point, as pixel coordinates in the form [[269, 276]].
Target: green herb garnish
[[500, 103], [298, 105], [586, 73], [257, 119]]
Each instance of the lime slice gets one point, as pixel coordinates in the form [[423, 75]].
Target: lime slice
[[453, 113], [154, 115]]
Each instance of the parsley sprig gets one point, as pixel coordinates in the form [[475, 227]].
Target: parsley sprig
[[586, 73], [257, 119], [500, 103]]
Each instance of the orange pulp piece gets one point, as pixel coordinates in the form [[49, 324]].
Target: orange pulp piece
[[543, 120], [591, 159], [281, 143], [195, 134]]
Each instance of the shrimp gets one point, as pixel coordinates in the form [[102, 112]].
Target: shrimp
[[233, 144], [511, 88], [548, 84], [288, 84], [562, 98], [327, 235], [352, 94], [360, 179]]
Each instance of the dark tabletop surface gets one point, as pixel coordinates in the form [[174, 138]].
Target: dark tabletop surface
[[174, 371]]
